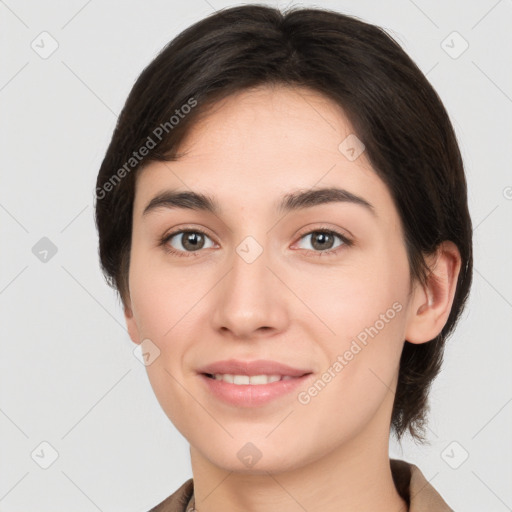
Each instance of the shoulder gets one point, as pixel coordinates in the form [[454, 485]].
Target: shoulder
[[178, 500], [416, 489]]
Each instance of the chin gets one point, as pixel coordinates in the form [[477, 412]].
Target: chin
[[253, 458]]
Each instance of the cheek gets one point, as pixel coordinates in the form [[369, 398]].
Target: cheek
[[362, 361], [160, 306], [349, 299], [364, 307], [160, 295], [164, 301]]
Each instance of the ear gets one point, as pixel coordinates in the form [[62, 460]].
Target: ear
[[431, 304], [133, 330]]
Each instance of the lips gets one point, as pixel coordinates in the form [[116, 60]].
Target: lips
[[252, 368], [227, 381]]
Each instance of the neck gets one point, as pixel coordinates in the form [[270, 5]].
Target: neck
[[356, 476]]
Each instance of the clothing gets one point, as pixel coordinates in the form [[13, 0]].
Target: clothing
[[414, 488]]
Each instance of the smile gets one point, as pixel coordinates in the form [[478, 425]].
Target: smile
[[246, 379]]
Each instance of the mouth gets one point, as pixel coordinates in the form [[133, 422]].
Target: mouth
[[240, 369], [254, 380], [250, 391]]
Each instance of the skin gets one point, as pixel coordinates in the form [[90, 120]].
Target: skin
[[289, 305]]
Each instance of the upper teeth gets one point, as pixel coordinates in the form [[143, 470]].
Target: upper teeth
[[252, 379]]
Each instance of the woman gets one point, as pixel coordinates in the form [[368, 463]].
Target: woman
[[283, 211]]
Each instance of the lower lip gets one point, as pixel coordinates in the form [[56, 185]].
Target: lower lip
[[252, 395]]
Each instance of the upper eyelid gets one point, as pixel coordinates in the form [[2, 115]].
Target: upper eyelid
[[181, 231], [337, 232]]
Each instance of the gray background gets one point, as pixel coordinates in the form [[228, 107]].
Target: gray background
[[67, 368]]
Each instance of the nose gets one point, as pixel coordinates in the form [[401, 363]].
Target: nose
[[250, 301]]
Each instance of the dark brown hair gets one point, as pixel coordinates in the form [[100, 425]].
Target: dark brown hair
[[393, 109]]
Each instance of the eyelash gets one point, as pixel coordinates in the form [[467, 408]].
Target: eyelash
[[347, 242]]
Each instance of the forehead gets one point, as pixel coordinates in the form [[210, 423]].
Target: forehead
[[258, 145], [271, 119]]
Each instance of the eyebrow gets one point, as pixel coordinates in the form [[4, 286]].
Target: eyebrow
[[298, 200]]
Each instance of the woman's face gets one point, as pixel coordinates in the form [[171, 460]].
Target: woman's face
[[263, 284]]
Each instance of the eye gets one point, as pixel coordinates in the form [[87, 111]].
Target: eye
[[189, 241], [184, 241], [324, 241]]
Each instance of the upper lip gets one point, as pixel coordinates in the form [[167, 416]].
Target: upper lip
[[259, 367]]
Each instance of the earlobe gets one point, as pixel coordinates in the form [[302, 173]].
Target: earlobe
[[431, 303], [131, 325]]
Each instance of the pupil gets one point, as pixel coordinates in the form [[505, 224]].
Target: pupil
[[194, 239], [322, 238]]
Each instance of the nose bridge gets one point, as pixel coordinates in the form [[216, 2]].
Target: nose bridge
[[250, 296]]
